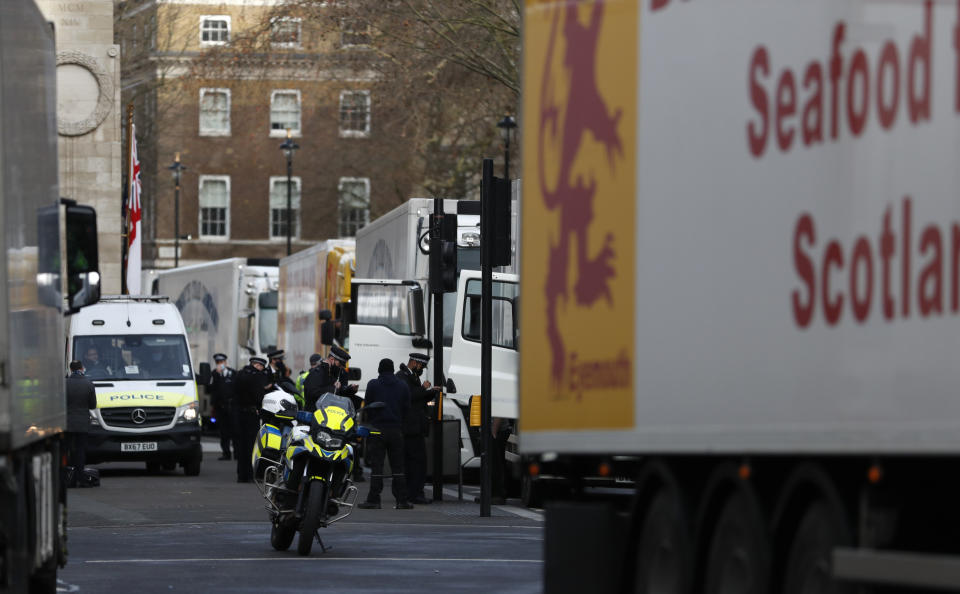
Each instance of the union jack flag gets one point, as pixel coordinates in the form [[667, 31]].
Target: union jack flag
[[134, 214]]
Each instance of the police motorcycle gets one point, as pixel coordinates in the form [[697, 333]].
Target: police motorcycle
[[302, 466]]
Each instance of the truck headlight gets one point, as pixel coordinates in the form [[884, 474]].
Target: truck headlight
[[188, 413]]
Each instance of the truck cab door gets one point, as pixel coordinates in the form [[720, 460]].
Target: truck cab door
[[386, 321], [465, 354]]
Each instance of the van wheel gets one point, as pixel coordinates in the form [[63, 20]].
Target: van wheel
[[169, 465], [191, 466], [153, 467]]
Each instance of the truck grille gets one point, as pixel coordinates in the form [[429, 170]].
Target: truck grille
[[127, 416]]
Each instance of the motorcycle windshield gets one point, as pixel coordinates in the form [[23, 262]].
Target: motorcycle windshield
[[335, 412]]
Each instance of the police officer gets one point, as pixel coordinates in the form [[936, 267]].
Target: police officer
[[416, 425], [81, 399], [252, 383], [222, 385], [314, 361], [329, 375], [388, 421], [276, 365]]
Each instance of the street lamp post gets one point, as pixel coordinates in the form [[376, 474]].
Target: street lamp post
[[177, 168], [507, 126], [288, 147]]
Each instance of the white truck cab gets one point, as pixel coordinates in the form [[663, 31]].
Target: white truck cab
[[135, 351]]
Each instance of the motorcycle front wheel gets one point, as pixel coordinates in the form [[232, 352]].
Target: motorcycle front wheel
[[311, 518], [281, 535]]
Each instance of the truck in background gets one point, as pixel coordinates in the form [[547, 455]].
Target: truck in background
[[135, 351], [228, 306], [391, 309], [740, 292], [33, 270], [314, 281]]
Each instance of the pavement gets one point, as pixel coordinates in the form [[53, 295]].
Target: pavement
[[168, 532]]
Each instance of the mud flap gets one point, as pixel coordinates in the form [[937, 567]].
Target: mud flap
[[583, 548]]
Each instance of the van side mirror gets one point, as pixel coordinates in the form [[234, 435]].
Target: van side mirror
[[415, 298], [203, 378], [325, 315], [83, 271], [451, 387]]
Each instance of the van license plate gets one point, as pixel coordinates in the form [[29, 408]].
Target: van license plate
[[139, 446]]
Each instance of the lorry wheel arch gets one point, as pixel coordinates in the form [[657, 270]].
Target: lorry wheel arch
[[808, 490]]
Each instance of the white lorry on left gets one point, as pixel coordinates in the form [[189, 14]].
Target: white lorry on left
[[32, 268]]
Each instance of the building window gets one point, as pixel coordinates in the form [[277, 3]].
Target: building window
[[354, 204], [278, 207], [285, 32], [355, 114], [214, 206], [214, 30], [354, 32], [284, 112], [214, 112]]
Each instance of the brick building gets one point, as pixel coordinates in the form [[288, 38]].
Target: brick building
[[221, 83]]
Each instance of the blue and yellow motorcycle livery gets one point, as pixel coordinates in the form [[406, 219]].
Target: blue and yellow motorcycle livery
[[306, 482]]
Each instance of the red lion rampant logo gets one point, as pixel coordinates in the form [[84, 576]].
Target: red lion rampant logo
[[574, 199]]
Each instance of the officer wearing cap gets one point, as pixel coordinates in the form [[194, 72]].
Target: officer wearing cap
[[276, 365], [416, 425], [329, 375], [253, 382], [222, 392]]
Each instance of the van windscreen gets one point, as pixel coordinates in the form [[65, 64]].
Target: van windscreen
[[133, 357]]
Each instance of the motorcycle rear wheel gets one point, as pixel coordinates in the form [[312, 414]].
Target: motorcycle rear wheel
[[311, 518], [281, 535]]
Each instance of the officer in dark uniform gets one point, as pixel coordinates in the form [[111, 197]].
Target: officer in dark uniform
[[329, 376], [222, 396], [387, 438], [416, 425], [252, 383], [276, 365]]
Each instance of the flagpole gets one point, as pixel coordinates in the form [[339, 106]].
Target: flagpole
[[126, 207]]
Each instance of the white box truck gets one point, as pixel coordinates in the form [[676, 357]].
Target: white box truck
[[312, 281], [228, 306], [33, 495], [392, 309], [740, 280]]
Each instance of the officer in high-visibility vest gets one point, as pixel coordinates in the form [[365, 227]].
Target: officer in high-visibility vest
[[314, 360]]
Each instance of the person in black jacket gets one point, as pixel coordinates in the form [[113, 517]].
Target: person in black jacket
[[416, 425], [81, 398], [222, 396], [387, 388], [329, 376], [252, 383]]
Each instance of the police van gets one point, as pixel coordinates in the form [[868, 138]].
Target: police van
[[135, 351]]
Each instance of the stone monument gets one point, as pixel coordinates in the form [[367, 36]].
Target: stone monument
[[89, 120]]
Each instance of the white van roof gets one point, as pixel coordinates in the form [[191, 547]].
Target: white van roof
[[128, 315]]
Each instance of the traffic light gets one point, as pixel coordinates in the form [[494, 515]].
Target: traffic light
[[443, 255]]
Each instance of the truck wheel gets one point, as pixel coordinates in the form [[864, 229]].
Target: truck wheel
[[809, 565], [531, 491], [44, 579], [739, 557], [191, 466], [664, 549]]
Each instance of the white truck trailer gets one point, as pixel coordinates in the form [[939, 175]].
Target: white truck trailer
[[228, 306], [33, 501], [313, 280], [740, 280]]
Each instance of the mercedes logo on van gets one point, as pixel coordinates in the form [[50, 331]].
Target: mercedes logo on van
[[138, 416]]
